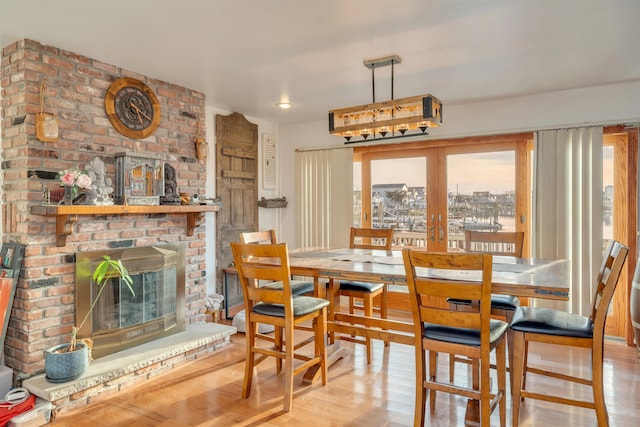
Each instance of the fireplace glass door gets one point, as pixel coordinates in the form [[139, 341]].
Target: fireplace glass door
[[121, 319], [155, 297]]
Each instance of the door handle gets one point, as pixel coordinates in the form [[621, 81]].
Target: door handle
[[432, 229], [440, 229]]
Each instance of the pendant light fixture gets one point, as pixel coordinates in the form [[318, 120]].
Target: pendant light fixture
[[395, 118]]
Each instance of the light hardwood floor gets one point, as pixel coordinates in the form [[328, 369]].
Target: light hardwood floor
[[207, 393]]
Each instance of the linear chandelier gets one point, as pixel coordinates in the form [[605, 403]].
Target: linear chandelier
[[395, 118]]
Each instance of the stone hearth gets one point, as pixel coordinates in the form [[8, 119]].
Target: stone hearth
[[132, 366]]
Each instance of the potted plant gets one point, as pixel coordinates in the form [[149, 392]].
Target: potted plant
[[67, 362]]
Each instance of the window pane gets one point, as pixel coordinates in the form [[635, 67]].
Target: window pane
[[357, 194], [398, 194], [607, 194], [481, 193]]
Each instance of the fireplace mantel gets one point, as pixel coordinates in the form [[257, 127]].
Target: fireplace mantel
[[67, 215]]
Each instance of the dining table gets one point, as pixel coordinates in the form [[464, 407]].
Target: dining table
[[523, 277]]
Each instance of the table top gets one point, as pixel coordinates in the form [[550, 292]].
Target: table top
[[525, 277]]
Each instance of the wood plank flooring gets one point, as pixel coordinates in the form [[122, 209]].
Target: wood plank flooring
[[207, 393]]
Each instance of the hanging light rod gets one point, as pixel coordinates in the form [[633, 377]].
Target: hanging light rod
[[394, 118], [382, 62]]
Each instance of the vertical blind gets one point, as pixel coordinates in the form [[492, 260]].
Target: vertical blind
[[324, 197], [567, 205]]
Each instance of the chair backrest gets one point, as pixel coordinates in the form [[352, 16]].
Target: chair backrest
[[614, 257], [449, 275], [371, 238], [495, 242], [267, 236], [256, 262]]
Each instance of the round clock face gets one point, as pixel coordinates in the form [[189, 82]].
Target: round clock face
[[132, 107]]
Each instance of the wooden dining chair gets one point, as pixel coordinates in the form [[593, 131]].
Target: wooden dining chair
[[367, 238], [264, 236], [472, 333], [278, 307], [537, 324], [298, 287], [495, 242], [502, 306]]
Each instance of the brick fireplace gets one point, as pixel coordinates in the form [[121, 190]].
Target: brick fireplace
[[75, 86]]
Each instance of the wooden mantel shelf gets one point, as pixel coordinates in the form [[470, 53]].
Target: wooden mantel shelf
[[67, 215]]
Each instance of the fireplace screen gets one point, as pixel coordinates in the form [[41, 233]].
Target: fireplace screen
[[155, 296], [119, 319]]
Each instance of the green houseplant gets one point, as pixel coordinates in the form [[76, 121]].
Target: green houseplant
[[67, 362]]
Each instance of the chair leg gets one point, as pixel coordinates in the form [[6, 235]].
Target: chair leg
[[598, 387], [518, 369], [485, 390], [501, 365], [452, 367], [475, 374], [509, 318], [368, 311], [278, 347], [352, 308], [320, 330], [288, 368], [383, 307], [251, 356], [525, 364], [334, 307], [421, 393], [452, 357], [433, 370]]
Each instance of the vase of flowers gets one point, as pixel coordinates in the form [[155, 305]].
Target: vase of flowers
[[73, 179]]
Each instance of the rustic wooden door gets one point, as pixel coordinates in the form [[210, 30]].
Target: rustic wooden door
[[237, 186]]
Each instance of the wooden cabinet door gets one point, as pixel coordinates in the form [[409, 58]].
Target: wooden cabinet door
[[237, 186]]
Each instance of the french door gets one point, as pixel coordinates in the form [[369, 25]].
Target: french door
[[429, 192]]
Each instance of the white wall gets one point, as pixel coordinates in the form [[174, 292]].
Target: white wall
[[611, 104]]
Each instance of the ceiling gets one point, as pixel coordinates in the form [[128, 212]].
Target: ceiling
[[248, 55]]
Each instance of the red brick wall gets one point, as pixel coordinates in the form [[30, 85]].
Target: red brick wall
[[43, 312]]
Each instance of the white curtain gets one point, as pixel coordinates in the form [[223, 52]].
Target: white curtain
[[324, 197], [567, 204]]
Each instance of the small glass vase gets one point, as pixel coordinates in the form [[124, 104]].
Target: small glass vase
[[70, 193]]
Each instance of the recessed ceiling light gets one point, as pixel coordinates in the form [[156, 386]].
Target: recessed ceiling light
[[284, 105]]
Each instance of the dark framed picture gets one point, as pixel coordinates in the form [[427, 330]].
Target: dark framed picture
[[11, 256], [8, 257]]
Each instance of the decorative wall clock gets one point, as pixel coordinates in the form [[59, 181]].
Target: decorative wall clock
[[132, 108]]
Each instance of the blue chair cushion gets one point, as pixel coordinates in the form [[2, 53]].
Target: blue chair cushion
[[551, 322], [361, 286], [463, 335], [298, 287], [301, 306], [500, 302], [505, 302]]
